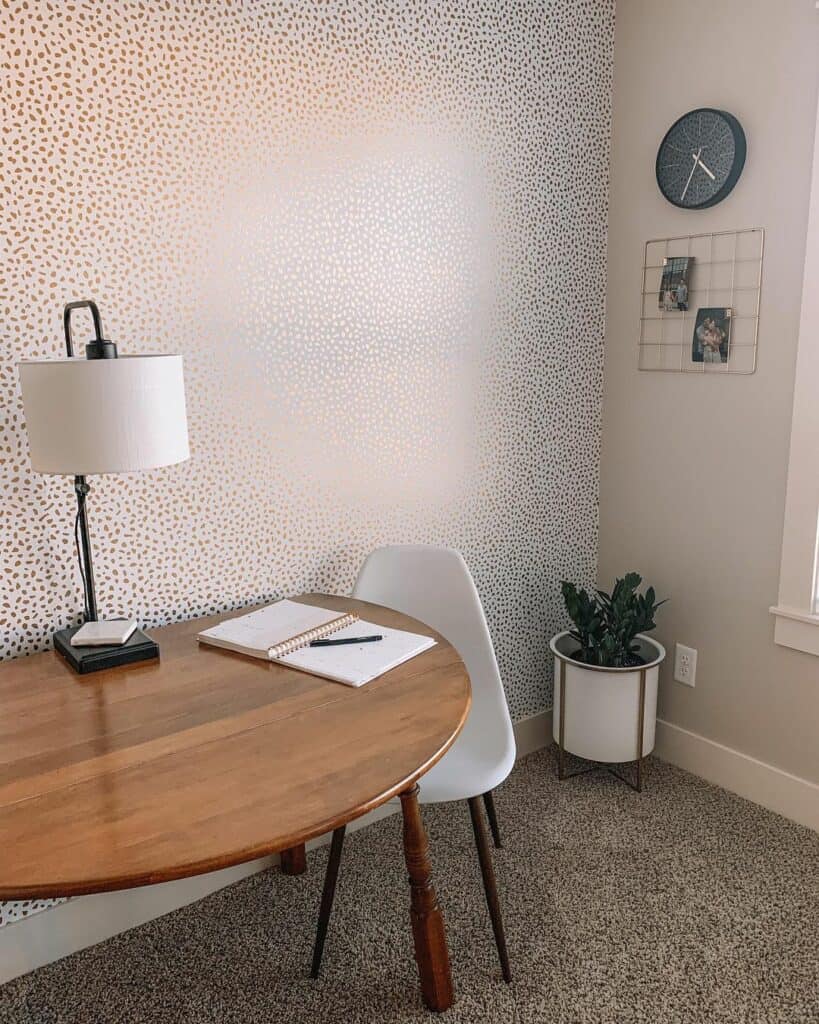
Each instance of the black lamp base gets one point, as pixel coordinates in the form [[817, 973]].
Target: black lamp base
[[138, 647]]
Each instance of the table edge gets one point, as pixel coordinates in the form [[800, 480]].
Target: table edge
[[118, 883]]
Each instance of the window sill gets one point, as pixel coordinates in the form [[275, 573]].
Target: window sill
[[796, 629]]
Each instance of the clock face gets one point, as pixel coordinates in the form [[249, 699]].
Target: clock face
[[701, 158]]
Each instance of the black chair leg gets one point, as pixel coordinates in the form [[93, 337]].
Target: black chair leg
[[490, 888], [327, 896], [489, 804]]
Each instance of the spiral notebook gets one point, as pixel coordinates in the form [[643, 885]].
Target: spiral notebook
[[282, 632]]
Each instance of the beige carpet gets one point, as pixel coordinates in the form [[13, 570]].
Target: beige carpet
[[683, 904]]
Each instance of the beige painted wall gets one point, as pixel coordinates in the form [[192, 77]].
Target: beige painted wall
[[694, 468]]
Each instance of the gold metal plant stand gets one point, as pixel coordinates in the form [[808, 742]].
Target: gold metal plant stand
[[562, 774]]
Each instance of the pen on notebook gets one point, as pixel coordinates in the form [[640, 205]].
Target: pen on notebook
[[330, 642]]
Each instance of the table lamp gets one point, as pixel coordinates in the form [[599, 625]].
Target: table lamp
[[102, 414]]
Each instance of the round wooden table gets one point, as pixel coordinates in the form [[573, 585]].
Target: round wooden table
[[205, 759]]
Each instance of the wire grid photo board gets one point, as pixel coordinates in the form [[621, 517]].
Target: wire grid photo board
[[725, 272]]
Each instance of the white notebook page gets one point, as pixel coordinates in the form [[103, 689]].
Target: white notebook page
[[356, 664], [256, 632]]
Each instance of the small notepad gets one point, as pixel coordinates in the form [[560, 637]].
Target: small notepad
[[282, 633], [105, 633]]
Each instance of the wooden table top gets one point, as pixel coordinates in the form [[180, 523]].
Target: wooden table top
[[204, 759]]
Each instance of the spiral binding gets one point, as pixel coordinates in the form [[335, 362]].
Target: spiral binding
[[303, 639]]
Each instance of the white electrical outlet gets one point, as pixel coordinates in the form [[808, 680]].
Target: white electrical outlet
[[685, 664]]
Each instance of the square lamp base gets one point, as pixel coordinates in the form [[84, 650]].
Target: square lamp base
[[138, 647]]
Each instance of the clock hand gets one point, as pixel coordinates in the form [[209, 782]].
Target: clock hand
[[710, 174], [691, 175]]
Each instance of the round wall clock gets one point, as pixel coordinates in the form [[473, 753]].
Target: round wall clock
[[701, 158]]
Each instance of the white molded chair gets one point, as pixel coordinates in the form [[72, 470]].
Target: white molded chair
[[434, 585]]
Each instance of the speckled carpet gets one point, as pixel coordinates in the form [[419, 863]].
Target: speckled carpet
[[683, 904]]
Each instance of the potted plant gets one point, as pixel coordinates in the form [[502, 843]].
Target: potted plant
[[598, 667]]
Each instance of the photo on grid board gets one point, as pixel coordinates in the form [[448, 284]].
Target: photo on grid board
[[674, 285], [712, 335]]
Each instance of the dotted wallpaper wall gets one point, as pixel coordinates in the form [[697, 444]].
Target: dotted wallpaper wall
[[376, 231]]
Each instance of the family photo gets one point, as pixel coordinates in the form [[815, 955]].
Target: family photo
[[674, 283], [712, 334]]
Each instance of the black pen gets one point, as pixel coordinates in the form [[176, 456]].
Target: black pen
[[330, 642]]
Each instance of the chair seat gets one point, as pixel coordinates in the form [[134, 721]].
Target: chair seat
[[466, 770]]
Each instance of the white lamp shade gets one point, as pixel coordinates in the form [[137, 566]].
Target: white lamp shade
[[87, 416]]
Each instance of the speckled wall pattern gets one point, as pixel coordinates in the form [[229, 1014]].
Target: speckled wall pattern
[[376, 231]]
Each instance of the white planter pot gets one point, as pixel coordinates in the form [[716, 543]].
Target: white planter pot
[[600, 721]]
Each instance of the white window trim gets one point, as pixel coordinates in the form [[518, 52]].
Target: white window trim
[[797, 621]]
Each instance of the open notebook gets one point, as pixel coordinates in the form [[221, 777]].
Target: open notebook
[[282, 633]]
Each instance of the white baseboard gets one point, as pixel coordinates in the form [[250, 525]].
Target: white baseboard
[[533, 733], [76, 924], [762, 783]]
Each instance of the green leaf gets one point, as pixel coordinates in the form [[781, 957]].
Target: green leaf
[[607, 623]]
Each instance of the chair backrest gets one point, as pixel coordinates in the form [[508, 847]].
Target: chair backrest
[[435, 585]]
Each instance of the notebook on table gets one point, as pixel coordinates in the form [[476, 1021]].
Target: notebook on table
[[282, 632]]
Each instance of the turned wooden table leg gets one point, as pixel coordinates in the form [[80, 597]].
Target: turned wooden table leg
[[294, 860], [431, 953]]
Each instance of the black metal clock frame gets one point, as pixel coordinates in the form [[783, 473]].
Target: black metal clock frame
[[740, 153]]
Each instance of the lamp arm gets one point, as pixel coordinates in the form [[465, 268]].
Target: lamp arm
[[99, 348], [83, 542]]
